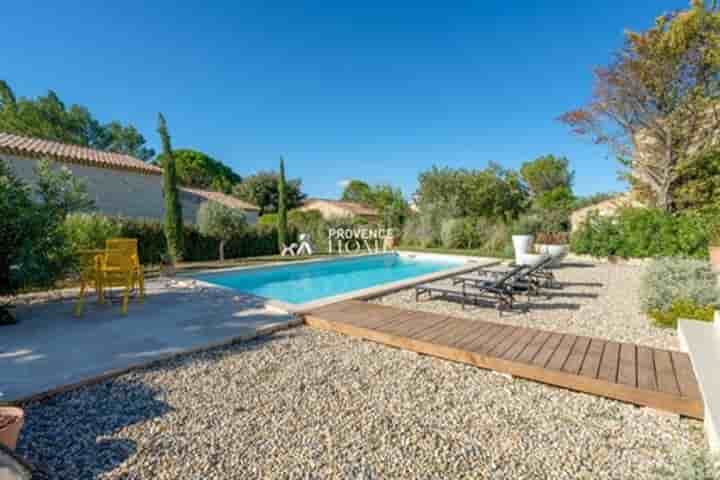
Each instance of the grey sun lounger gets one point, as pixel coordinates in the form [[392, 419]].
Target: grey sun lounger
[[529, 281], [499, 292]]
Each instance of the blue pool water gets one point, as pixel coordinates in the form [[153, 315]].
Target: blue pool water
[[300, 283]]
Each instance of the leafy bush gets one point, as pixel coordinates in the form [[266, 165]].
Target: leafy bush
[[673, 288], [34, 251], [89, 230], [423, 229], [451, 233], [527, 224], [483, 236], [641, 233], [682, 309], [152, 244]]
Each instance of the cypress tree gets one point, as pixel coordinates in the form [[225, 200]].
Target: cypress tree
[[173, 223], [282, 207]]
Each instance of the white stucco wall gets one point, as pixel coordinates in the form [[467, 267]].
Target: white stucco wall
[[119, 192]]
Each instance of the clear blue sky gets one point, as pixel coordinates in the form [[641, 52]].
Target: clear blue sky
[[377, 91]]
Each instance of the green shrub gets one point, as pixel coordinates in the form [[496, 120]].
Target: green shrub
[[673, 288], [527, 224], [483, 236], [451, 233], [89, 230], [642, 233], [152, 244], [269, 220], [682, 309], [423, 229]]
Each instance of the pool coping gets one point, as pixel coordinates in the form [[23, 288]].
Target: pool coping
[[469, 264]]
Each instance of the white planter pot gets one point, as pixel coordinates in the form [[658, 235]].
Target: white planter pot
[[558, 252], [522, 244], [530, 259]]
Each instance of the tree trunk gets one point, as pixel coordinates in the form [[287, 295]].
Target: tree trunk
[[4, 274], [222, 250], [664, 194]]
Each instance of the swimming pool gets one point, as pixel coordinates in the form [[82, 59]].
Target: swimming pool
[[309, 281]]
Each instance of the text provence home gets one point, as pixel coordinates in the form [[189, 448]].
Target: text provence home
[[350, 239]]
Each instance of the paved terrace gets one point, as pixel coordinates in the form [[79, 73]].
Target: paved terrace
[[51, 350]]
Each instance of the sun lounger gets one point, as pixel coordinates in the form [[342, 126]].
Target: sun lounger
[[538, 275], [499, 292]]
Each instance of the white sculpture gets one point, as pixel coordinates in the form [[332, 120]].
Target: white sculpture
[[289, 250], [305, 247]]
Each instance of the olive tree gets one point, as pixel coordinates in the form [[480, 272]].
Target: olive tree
[[221, 222]]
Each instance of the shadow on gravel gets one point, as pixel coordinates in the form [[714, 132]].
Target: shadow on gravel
[[79, 434], [581, 284], [570, 295], [550, 306], [67, 435], [576, 265]]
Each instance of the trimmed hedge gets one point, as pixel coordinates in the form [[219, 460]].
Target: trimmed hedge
[[198, 247]]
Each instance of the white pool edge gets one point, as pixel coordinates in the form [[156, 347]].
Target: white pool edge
[[469, 264]]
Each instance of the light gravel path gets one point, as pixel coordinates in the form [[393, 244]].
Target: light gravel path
[[597, 300], [309, 404]]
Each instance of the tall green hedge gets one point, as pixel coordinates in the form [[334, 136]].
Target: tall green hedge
[[198, 247]]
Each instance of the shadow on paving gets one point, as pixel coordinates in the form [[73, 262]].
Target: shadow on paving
[[51, 348], [70, 434]]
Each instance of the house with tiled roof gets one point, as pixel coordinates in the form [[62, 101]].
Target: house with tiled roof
[[337, 209], [119, 184]]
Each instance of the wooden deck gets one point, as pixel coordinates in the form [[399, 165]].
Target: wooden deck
[[635, 374]]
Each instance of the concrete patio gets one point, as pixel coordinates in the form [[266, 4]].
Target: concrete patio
[[50, 349]]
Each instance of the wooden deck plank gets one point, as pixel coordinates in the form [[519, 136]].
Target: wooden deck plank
[[484, 329], [685, 375], [419, 323], [627, 369], [557, 361], [370, 319], [591, 363], [508, 342], [430, 333], [503, 333], [454, 328], [647, 378], [533, 347], [396, 321], [609, 363], [577, 355], [473, 344], [547, 351], [667, 382], [640, 375], [520, 344]]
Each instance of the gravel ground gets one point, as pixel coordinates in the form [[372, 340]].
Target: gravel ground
[[596, 300], [309, 404]]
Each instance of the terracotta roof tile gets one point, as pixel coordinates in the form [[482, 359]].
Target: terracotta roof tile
[[38, 148], [221, 198], [34, 147], [355, 208]]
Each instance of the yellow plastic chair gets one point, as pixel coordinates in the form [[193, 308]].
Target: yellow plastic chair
[[118, 269], [130, 247], [89, 276]]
